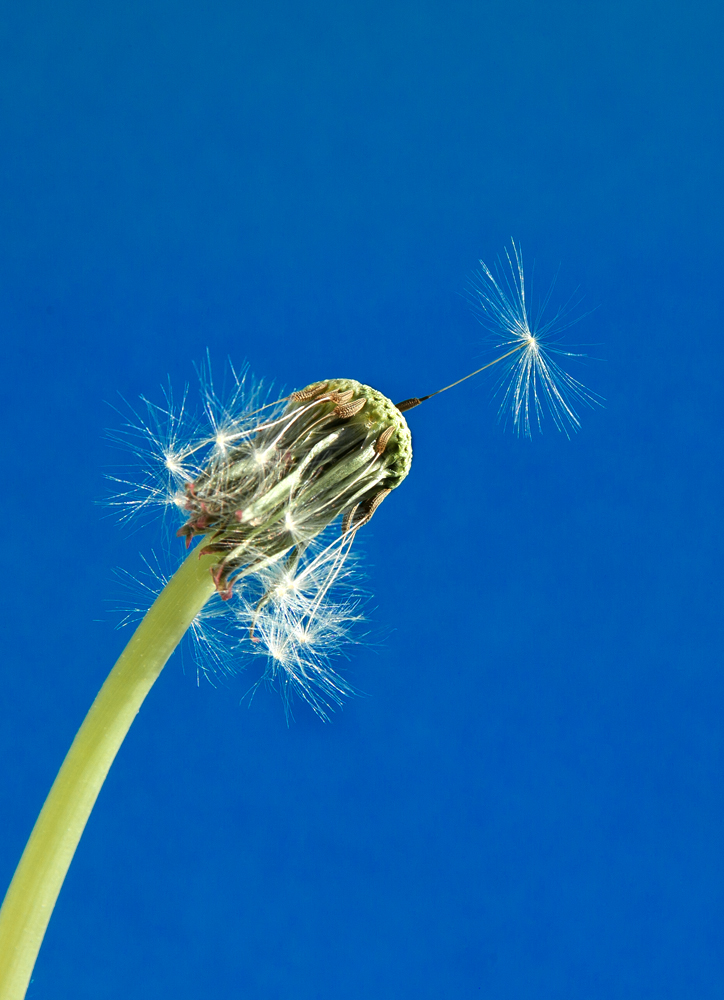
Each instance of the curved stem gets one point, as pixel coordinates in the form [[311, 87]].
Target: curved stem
[[35, 886]]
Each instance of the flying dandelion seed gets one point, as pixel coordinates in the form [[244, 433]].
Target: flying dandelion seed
[[531, 382]]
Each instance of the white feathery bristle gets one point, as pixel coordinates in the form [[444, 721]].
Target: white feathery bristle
[[531, 383], [172, 446], [300, 617]]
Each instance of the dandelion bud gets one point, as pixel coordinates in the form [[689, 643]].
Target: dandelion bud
[[337, 448]]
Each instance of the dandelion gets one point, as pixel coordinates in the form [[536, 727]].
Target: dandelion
[[270, 496], [263, 499]]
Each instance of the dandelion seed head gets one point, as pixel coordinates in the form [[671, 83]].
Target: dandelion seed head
[[278, 491], [309, 460]]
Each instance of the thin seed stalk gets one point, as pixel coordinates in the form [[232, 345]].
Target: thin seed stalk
[[39, 876]]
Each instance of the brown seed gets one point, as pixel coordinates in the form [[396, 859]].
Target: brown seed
[[311, 392], [346, 410], [369, 507], [407, 404], [347, 519], [384, 438], [341, 397]]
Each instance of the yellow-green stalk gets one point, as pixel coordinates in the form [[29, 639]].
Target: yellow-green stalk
[[47, 856]]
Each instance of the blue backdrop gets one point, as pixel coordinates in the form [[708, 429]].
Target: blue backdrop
[[527, 802]]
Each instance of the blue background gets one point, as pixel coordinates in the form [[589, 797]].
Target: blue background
[[527, 803]]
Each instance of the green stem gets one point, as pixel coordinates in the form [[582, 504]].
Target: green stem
[[35, 886]]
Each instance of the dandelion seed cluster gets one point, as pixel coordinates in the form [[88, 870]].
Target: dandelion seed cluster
[[277, 493]]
